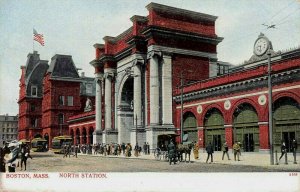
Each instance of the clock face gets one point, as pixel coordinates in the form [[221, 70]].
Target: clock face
[[261, 46]]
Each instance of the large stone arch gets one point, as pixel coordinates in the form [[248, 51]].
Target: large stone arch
[[213, 122], [124, 108], [245, 126], [286, 121], [206, 109], [190, 126], [289, 94], [250, 101]]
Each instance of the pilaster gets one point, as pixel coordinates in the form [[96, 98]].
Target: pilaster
[[167, 114], [154, 86]]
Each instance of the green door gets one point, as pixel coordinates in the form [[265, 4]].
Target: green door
[[246, 130], [190, 126], [286, 123], [214, 129]]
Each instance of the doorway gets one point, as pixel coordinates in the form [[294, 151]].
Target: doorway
[[248, 142], [288, 138], [217, 144]]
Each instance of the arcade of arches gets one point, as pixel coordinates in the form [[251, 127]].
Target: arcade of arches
[[82, 135], [245, 126]]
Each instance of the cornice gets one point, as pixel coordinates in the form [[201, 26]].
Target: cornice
[[182, 34], [286, 76], [171, 50], [181, 12]]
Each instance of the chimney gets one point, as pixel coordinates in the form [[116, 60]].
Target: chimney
[[82, 74]]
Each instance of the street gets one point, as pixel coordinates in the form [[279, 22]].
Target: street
[[50, 162]]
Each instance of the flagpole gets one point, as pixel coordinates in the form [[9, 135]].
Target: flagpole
[[32, 40]]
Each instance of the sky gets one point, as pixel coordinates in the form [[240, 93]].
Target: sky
[[72, 27]]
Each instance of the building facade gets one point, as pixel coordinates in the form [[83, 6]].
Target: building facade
[[8, 128], [138, 72], [49, 95], [234, 107]]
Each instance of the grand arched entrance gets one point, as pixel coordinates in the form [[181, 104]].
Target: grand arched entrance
[[246, 130], [125, 111], [214, 128], [190, 127], [286, 122]]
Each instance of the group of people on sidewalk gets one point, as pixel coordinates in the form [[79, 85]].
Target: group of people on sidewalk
[[106, 149], [236, 151], [12, 155]]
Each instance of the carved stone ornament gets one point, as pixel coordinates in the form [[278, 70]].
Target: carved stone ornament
[[262, 100], [199, 109], [227, 104]]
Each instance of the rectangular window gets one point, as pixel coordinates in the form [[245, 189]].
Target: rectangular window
[[70, 100], [34, 91], [89, 88], [34, 122], [61, 100]]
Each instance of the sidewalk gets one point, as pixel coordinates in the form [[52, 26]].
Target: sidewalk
[[247, 158]]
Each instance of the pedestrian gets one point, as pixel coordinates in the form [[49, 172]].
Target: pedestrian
[[148, 148], [123, 147], [25, 154], [210, 151], [283, 150], [225, 150], [294, 146], [145, 148], [236, 151], [136, 150], [196, 151], [172, 152], [75, 150]]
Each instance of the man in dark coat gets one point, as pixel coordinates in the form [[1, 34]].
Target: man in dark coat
[[283, 150], [210, 151], [225, 150], [171, 152]]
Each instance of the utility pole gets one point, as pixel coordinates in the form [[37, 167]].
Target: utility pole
[[136, 130], [270, 109], [181, 109]]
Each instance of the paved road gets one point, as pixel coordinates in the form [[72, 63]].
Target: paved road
[[49, 162]]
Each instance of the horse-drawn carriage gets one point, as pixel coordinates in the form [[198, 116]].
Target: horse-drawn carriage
[[171, 152]]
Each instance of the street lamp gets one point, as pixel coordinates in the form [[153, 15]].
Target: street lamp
[[270, 109]]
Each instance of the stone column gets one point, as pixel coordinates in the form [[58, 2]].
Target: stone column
[[137, 95], [137, 100], [154, 87], [98, 130], [107, 101], [108, 74], [167, 114]]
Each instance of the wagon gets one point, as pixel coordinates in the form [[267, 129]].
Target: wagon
[[163, 140]]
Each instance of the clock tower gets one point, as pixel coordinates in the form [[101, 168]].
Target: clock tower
[[262, 46]]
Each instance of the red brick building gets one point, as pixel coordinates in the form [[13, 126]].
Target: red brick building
[[138, 94], [49, 95]]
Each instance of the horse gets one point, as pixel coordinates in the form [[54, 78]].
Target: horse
[[185, 148]]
